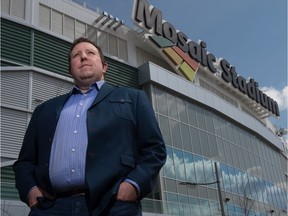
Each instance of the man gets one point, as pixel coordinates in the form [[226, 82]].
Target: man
[[94, 151]]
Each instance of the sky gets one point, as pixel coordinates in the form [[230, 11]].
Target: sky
[[249, 34]]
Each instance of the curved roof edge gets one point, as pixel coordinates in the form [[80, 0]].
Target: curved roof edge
[[151, 72]]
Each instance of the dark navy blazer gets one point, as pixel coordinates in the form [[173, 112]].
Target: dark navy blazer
[[124, 141]]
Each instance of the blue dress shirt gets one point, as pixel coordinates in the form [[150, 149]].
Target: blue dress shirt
[[68, 153]]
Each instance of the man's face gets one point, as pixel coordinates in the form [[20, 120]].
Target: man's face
[[86, 65]]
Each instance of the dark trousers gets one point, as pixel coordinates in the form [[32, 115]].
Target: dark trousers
[[121, 208], [76, 206]]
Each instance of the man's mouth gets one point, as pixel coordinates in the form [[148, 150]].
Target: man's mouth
[[85, 65]]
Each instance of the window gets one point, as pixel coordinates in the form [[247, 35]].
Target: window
[[80, 29], [201, 118], [213, 146], [185, 135], [192, 114], [92, 33], [184, 205], [5, 6], [102, 40], [173, 206], [225, 183], [161, 102], [15, 123], [175, 129], [123, 51], [209, 122], [189, 167], [13, 7], [181, 106], [165, 128], [57, 22], [179, 165], [227, 152], [44, 17], [199, 169], [233, 180], [69, 27], [209, 169], [113, 48], [204, 143], [172, 106], [196, 146], [169, 168]]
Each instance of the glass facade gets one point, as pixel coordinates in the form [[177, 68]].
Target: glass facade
[[251, 173]]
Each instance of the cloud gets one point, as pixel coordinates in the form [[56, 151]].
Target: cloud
[[280, 96]]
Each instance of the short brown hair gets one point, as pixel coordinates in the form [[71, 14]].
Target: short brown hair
[[80, 40]]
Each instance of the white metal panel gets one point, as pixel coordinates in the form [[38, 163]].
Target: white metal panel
[[139, 56], [44, 17], [45, 88], [14, 88], [5, 6], [69, 27], [71, 9], [18, 8], [92, 33], [102, 40], [57, 22], [15, 123], [113, 45], [123, 52], [80, 29]]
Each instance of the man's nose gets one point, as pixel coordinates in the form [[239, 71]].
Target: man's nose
[[83, 56]]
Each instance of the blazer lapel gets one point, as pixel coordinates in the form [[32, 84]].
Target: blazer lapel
[[105, 90], [59, 105]]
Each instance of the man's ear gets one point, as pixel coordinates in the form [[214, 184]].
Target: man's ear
[[105, 67]]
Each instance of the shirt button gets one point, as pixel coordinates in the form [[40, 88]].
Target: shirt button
[[75, 131], [73, 150], [77, 116], [73, 171], [81, 104]]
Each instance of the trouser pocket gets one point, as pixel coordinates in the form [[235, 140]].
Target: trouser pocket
[[121, 208]]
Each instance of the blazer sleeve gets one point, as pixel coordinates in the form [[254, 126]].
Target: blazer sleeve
[[25, 165], [152, 151]]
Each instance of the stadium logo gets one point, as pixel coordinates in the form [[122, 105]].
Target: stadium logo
[[180, 60], [185, 55]]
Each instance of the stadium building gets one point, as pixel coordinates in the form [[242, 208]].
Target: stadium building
[[224, 155]]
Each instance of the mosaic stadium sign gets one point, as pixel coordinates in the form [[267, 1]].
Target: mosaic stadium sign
[[185, 55]]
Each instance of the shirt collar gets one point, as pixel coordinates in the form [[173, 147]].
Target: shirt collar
[[96, 85]]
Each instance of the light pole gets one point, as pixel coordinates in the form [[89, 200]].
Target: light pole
[[209, 183]]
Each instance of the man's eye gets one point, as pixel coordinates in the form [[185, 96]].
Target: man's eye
[[75, 55]]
